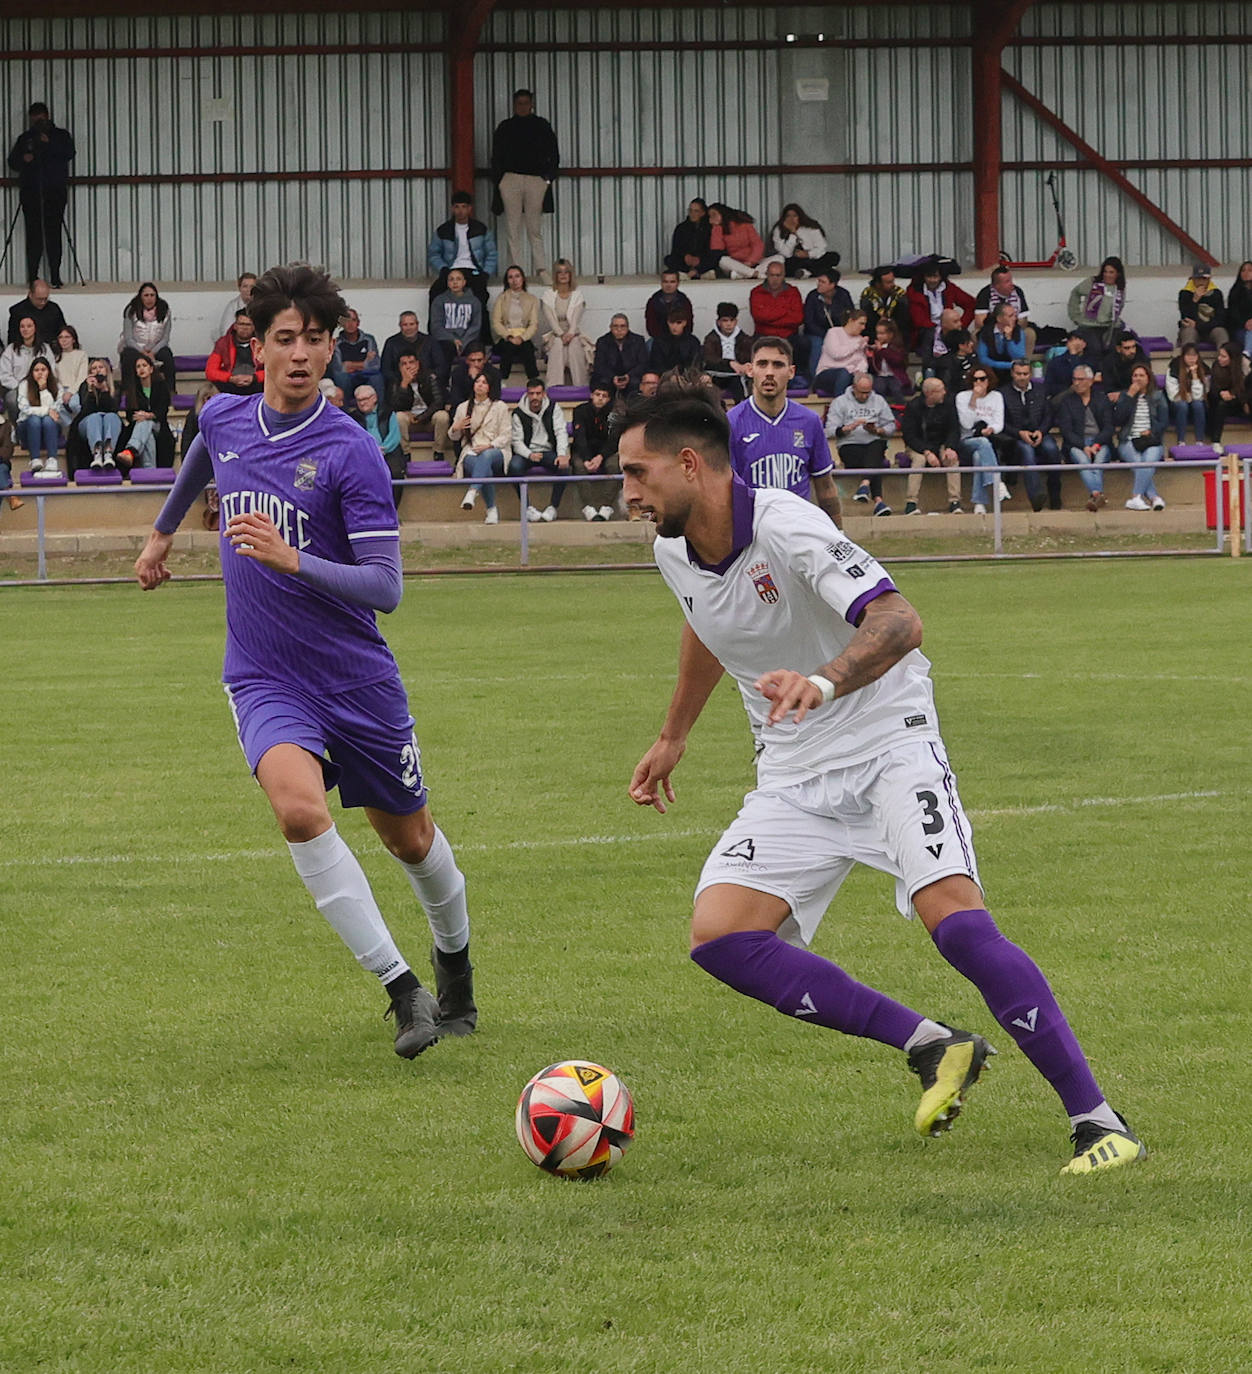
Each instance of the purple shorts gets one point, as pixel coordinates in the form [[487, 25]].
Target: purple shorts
[[374, 757]]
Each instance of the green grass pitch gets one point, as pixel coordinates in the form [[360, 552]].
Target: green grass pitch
[[210, 1159]]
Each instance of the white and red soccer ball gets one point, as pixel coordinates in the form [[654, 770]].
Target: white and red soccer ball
[[575, 1119]]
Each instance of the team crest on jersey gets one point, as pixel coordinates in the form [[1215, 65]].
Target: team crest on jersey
[[306, 474], [797, 438], [763, 581]]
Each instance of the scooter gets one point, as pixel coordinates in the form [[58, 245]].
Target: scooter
[[1062, 256]]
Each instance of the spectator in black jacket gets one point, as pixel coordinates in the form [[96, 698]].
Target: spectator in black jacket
[[593, 451], [954, 366], [1084, 417], [661, 305], [1025, 439], [1118, 363], [409, 339], [95, 426], [931, 431], [35, 305], [524, 163], [1239, 307], [689, 243], [1201, 309], [621, 358], [1060, 370], [41, 157], [464, 370], [728, 353], [677, 350], [416, 400], [827, 305]]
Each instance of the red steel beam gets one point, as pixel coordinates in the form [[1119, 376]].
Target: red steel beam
[[465, 24], [993, 23], [1109, 169]]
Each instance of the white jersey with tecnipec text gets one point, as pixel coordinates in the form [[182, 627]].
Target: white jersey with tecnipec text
[[790, 598]]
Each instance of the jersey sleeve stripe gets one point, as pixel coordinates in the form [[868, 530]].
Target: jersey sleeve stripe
[[857, 608], [376, 534], [821, 472]]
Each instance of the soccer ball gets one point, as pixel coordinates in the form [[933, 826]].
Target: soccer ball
[[574, 1119]]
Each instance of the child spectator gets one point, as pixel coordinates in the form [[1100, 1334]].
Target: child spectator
[[593, 452], [888, 363], [677, 351]]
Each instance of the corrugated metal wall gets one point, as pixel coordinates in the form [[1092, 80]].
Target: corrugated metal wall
[[662, 102]]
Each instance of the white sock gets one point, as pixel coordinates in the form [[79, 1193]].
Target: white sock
[[440, 887], [927, 1030], [337, 883], [1103, 1115]]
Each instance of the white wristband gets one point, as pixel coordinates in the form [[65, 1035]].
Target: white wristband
[[824, 686]]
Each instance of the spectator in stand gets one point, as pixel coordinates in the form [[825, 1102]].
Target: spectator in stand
[[845, 352], [777, 307], [1026, 441], [689, 243], [1201, 309], [383, 427], [1239, 308], [95, 424], [408, 339], [515, 322], [957, 362], [1060, 370], [524, 163], [1001, 342], [799, 243], [481, 428], [464, 242], [38, 430], [71, 360], [1084, 417], [355, 361], [885, 298], [566, 347], [678, 351], [1003, 290], [36, 305], [888, 363], [16, 360], [860, 422], [6, 462], [931, 435], [620, 359], [1229, 391], [41, 157], [146, 440], [540, 435], [949, 323], [661, 304], [593, 452], [232, 366], [146, 325], [1115, 367], [728, 352], [649, 383], [240, 301], [467, 367], [930, 293], [1186, 389], [827, 305], [1096, 305], [456, 321], [980, 413], [1140, 416], [416, 400], [734, 242]]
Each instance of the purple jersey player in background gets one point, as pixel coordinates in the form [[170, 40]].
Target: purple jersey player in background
[[776, 442], [310, 549]]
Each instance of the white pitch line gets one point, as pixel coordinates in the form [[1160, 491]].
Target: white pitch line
[[569, 841]]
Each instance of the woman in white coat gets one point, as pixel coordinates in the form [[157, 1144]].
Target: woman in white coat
[[566, 347]]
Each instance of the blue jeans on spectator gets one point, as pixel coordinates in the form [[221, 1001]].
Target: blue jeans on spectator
[[1092, 473], [815, 352], [1196, 412], [1145, 484], [6, 474], [979, 450], [1026, 456], [488, 463], [547, 461], [833, 382], [101, 427], [142, 443], [39, 435]]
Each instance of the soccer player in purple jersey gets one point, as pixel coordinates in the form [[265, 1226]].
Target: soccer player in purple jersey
[[310, 550], [775, 441], [851, 768]]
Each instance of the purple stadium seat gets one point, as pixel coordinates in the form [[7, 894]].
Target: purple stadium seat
[[1193, 453], [429, 469], [1241, 451], [37, 480], [1159, 379], [97, 477], [1156, 343], [191, 362], [182, 401], [421, 435], [569, 393], [512, 394], [151, 477]]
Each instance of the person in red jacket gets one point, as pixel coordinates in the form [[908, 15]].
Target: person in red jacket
[[929, 296], [231, 367], [777, 307]]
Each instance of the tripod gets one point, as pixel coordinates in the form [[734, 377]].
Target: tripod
[[43, 222], [8, 238]]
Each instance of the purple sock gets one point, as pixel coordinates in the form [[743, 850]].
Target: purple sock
[[1021, 1001], [799, 983]]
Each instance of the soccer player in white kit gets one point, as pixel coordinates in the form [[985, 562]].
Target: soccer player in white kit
[[851, 768]]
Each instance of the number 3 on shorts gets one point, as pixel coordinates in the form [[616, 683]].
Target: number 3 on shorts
[[411, 765], [932, 821]]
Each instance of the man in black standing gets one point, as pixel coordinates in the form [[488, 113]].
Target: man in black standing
[[524, 162], [41, 158]]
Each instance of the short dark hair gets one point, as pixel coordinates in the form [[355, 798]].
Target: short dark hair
[[533, 381], [243, 310], [771, 341], [300, 287], [676, 312], [672, 422], [521, 91], [38, 108], [477, 347], [462, 198], [954, 338], [727, 310]]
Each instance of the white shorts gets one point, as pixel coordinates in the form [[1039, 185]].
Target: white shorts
[[900, 814]]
